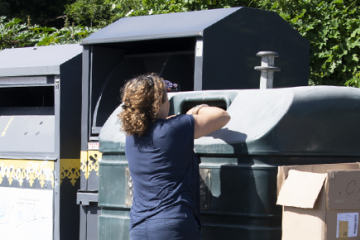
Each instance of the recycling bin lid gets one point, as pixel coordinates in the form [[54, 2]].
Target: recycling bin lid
[[32, 61], [171, 25], [319, 120]]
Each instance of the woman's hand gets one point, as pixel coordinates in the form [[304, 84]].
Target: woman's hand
[[208, 119], [195, 110]]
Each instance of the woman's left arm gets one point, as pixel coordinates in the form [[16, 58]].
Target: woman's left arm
[[208, 119]]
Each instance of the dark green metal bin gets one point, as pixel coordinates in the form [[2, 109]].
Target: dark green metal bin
[[268, 128], [194, 49], [40, 106]]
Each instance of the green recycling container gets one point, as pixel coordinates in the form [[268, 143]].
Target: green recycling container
[[268, 128], [193, 49], [40, 126]]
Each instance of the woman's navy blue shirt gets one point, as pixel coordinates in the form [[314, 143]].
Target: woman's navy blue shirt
[[165, 171]]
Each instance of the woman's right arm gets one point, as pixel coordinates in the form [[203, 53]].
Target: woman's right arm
[[208, 119]]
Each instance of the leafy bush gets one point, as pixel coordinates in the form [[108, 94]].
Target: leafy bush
[[43, 12], [90, 12], [333, 29], [14, 33], [102, 12], [331, 26]]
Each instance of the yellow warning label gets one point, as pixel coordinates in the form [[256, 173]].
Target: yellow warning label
[[20, 170], [70, 169], [27, 170], [93, 162], [90, 162], [83, 163]]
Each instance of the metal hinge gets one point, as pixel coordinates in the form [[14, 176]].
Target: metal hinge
[[84, 198]]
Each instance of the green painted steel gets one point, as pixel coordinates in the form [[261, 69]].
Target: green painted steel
[[112, 224], [268, 128], [40, 106]]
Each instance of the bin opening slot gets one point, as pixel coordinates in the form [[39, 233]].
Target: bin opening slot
[[215, 103], [27, 100], [175, 67]]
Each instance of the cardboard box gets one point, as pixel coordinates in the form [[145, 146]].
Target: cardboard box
[[320, 202]]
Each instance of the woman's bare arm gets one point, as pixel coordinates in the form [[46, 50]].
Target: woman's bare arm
[[208, 119]]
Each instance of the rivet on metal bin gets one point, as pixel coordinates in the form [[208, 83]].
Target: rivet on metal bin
[[267, 68]]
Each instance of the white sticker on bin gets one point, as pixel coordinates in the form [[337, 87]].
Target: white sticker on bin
[[93, 145], [199, 48], [352, 220]]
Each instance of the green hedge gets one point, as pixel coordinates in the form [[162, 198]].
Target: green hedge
[[332, 27], [14, 33]]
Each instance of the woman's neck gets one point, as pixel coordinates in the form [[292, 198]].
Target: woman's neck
[[160, 115]]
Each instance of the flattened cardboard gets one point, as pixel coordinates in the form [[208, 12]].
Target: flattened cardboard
[[283, 171], [295, 220], [301, 189], [343, 189], [320, 222]]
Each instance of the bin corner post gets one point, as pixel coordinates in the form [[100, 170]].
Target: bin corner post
[[85, 97], [82, 230], [198, 64], [85, 115], [56, 217], [267, 68]]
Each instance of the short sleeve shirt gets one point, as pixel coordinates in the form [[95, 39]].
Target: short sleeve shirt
[[164, 171]]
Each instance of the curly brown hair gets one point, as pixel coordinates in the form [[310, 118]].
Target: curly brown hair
[[141, 97]]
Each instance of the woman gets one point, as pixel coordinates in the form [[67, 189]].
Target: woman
[[162, 162]]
